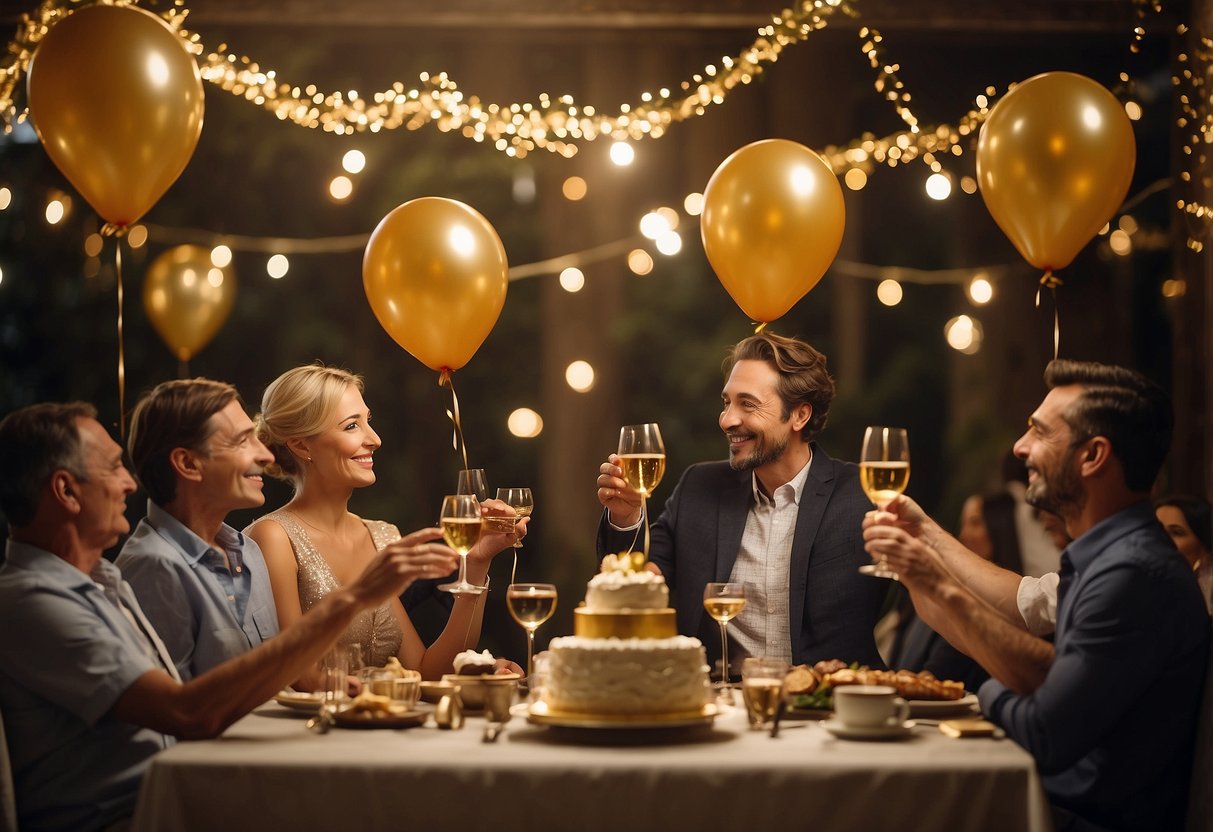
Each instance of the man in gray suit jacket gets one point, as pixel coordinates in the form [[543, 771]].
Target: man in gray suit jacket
[[780, 516]]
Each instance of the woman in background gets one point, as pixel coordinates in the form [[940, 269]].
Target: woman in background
[[987, 527], [1187, 521], [314, 420]]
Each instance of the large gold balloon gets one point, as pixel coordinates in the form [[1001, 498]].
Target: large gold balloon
[[1054, 162], [117, 101], [772, 222], [435, 274], [188, 298]]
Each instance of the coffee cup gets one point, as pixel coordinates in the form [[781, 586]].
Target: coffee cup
[[869, 706]]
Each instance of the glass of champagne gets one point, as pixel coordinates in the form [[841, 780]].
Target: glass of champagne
[[724, 602], [642, 459], [884, 472], [762, 682], [473, 481], [521, 501], [530, 605], [460, 522]]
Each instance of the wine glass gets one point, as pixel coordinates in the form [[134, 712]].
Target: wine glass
[[884, 472], [724, 602], [460, 522], [642, 459], [521, 501], [530, 605], [473, 481]]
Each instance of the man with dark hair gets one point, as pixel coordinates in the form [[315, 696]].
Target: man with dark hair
[[1131, 629], [780, 516], [88, 691], [202, 584]]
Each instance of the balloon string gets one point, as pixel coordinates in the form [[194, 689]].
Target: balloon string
[[1051, 282], [121, 354], [183, 369], [760, 326], [446, 379]]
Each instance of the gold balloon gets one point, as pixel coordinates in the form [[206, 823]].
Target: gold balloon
[[117, 102], [435, 274], [188, 298], [1054, 162], [772, 222]]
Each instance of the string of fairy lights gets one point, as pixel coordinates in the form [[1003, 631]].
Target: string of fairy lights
[[560, 125]]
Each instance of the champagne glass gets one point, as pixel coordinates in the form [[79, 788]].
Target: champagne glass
[[884, 472], [762, 688], [724, 602], [521, 501], [460, 522], [530, 605], [473, 481], [642, 459]]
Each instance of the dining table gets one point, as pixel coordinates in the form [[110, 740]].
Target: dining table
[[268, 772]]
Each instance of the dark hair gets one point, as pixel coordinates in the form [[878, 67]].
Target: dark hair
[[998, 512], [803, 377], [1128, 409], [175, 414], [35, 442], [1197, 512]]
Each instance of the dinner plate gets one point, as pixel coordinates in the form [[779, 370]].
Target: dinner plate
[[933, 708], [379, 719], [878, 732], [299, 701], [540, 714]]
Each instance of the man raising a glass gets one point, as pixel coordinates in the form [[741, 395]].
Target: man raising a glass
[[780, 516]]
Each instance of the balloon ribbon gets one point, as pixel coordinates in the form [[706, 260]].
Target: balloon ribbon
[[1051, 281], [446, 379], [760, 326], [118, 232]]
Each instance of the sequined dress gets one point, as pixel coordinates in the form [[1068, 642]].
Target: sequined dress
[[377, 631]]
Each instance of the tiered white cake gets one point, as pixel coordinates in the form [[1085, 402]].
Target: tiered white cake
[[626, 657]]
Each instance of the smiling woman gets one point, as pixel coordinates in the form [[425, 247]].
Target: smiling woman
[[317, 425]]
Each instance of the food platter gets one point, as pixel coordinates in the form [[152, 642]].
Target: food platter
[[539, 714], [379, 719], [299, 701]]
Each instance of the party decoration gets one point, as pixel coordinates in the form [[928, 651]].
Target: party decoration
[[772, 222], [188, 298], [117, 101], [435, 274], [1054, 161]]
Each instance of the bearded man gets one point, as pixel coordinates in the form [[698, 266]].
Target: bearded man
[[780, 516]]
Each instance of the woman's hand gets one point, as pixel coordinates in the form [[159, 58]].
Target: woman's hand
[[507, 666], [497, 537]]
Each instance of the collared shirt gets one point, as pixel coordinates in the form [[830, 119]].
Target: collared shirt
[[1112, 725], [205, 612], [67, 654], [763, 562]]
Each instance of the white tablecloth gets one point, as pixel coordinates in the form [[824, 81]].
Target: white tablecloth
[[268, 773]]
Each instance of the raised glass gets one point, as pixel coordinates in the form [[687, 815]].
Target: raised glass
[[884, 472], [460, 523]]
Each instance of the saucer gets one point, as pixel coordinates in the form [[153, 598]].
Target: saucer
[[877, 732]]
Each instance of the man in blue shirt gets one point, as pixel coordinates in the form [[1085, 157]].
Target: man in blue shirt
[[87, 690], [1109, 710], [202, 584]]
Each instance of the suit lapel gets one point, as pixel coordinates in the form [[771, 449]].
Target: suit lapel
[[733, 508], [813, 501]]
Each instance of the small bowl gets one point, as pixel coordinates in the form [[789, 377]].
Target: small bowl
[[433, 691], [471, 688]]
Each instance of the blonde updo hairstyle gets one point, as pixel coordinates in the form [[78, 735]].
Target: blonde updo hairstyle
[[298, 404]]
